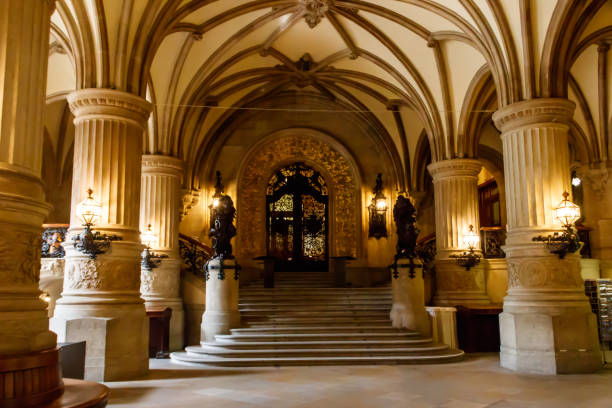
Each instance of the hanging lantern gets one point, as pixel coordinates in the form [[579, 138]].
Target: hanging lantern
[[378, 211]]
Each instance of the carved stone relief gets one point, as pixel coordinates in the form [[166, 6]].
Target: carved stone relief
[[101, 274], [160, 281], [19, 256], [543, 273], [261, 164], [451, 278]]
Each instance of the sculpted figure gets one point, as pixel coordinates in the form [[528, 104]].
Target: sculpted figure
[[404, 215], [223, 229]]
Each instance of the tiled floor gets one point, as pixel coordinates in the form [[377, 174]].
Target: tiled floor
[[474, 383]]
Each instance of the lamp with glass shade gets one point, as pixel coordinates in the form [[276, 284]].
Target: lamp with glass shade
[[150, 260], [568, 241], [89, 242], [469, 258], [378, 211]]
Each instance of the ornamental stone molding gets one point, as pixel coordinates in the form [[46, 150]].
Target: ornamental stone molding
[[162, 282], [314, 11], [259, 167], [454, 168], [534, 112], [162, 165], [110, 104]]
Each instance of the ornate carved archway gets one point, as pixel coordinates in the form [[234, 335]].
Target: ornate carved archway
[[287, 147]]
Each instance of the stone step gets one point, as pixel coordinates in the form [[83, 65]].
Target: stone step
[[344, 343], [220, 351], [309, 322], [277, 317], [315, 308], [329, 336], [318, 329], [428, 358]]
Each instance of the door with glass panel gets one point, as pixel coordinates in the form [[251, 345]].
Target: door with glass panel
[[297, 224]]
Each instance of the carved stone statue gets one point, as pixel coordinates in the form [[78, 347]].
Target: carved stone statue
[[404, 215], [223, 230]]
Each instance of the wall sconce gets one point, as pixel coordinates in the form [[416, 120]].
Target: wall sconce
[[90, 242], [567, 213], [469, 258], [378, 211], [219, 187], [150, 260]]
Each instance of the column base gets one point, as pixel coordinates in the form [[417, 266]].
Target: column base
[[117, 337], [30, 380], [457, 286], [554, 342]]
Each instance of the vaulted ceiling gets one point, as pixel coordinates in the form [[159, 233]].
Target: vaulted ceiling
[[416, 67]]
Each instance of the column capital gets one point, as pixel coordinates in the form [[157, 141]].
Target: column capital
[[454, 168], [162, 165], [534, 111], [100, 103]]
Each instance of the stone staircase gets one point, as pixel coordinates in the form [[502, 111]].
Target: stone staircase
[[305, 321]]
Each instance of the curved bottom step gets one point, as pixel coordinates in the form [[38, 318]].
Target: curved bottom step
[[191, 358]]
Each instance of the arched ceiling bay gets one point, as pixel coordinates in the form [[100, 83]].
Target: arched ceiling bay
[[433, 66]]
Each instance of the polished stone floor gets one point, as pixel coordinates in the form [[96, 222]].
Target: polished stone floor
[[474, 383]]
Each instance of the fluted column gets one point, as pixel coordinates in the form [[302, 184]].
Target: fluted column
[[547, 325], [456, 205], [101, 300], [27, 345], [159, 206]]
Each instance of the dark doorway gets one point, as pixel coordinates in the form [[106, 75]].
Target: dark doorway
[[297, 222]]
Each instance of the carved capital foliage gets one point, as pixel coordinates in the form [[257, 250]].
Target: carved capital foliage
[[102, 274], [166, 165], [549, 272], [252, 193], [19, 256], [597, 179], [190, 199]]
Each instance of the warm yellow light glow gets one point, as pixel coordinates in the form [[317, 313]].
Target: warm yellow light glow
[[148, 237], [471, 239], [381, 204], [89, 210], [45, 296], [567, 213], [215, 202]]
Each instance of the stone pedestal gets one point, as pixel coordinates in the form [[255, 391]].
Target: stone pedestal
[[159, 207], [547, 325], [101, 301], [443, 325], [221, 313], [456, 204], [408, 288]]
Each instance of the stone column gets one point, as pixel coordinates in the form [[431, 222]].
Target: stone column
[[547, 325], [597, 204], [221, 313], [408, 288], [456, 203], [101, 298], [159, 206], [27, 346]]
